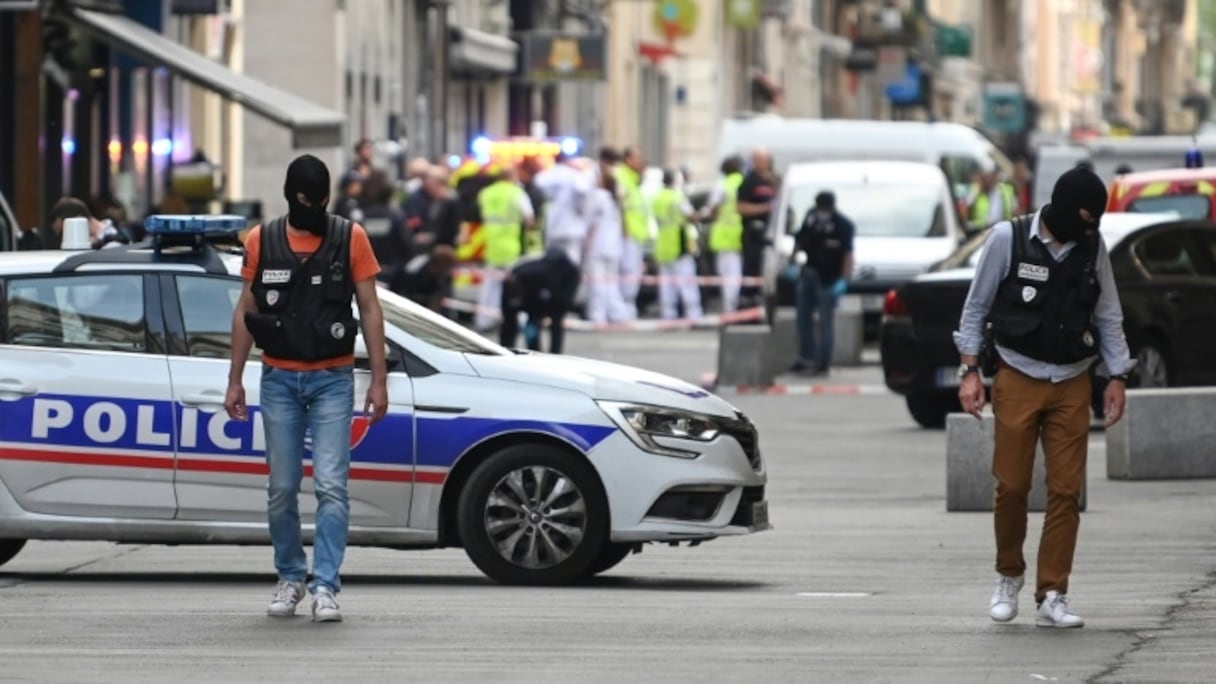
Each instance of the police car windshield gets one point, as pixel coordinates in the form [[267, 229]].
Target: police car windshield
[[904, 210], [434, 329]]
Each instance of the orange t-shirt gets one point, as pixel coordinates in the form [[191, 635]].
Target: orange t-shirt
[[363, 265]]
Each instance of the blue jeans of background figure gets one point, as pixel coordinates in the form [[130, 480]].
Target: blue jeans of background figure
[[815, 296], [320, 402]]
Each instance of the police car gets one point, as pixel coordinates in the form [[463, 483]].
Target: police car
[[545, 469]]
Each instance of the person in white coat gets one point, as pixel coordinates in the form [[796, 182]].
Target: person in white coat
[[602, 261]]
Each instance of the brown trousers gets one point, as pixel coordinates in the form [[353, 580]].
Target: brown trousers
[[1025, 409]]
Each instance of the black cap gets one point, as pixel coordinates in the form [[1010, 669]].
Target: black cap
[[825, 200]]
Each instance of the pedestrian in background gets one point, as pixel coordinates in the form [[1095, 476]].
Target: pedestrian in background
[[726, 231], [428, 277], [826, 238], [506, 213], [542, 287], [1045, 284], [756, 196], [301, 272], [675, 251], [432, 216], [992, 200], [605, 244], [637, 226], [385, 227], [567, 192], [350, 197]]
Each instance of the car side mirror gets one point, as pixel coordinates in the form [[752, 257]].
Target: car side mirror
[[363, 360]]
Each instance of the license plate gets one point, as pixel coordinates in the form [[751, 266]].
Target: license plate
[[760, 514], [947, 377]]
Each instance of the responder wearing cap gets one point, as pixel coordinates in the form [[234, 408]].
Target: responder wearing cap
[[1044, 282], [506, 213]]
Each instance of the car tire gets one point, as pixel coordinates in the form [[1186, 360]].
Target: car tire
[[1152, 366], [610, 556], [518, 478], [10, 548], [929, 409]]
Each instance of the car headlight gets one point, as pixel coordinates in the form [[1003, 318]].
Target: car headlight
[[643, 424]]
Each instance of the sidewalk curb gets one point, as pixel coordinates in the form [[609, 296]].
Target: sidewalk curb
[[708, 383]]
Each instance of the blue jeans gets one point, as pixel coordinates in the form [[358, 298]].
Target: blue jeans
[[812, 296], [320, 402]]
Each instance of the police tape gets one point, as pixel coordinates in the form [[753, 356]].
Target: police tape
[[744, 281], [645, 325]]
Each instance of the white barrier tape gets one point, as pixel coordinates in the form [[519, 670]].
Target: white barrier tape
[[647, 325], [643, 279]]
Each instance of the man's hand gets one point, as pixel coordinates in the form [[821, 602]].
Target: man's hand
[[1114, 401], [971, 394], [376, 404], [234, 402]]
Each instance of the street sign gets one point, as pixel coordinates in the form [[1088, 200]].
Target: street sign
[[556, 56], [1004, 108]]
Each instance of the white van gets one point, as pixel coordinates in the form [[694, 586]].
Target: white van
[[958, 150], [904, 216]]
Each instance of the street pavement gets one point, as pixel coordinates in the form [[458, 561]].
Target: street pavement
[[865, 578]]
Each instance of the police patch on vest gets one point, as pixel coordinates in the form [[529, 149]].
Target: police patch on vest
[[1029, 293], [1033, 272], [316, 280], [275, 277], [337, 330], [272, 297]]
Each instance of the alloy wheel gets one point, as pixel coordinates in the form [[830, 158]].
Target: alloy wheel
[[536, 517]]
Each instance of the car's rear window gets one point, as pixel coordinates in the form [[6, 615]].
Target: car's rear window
[[1186, 206]]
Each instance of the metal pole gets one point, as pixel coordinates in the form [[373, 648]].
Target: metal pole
[[420, 140], [441, 74]]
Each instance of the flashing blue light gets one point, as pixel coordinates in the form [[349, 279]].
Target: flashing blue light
[[570, 146], [480, 146], [68, 146], [454, 161], [1194, 158], [162, 147], [185, 224]]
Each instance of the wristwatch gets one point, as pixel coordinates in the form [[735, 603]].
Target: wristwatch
[[1122, 377], [965, 369]]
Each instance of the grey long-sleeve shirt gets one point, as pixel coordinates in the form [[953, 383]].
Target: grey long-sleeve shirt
[[992, 268]]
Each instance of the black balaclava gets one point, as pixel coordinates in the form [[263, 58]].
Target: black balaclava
[[1077, 189], [309, 177]]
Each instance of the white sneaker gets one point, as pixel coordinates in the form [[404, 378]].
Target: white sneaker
[[1054, 612], [325, 606], [1004, 604], [287, 596]]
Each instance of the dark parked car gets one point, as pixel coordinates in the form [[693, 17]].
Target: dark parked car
[[1165, 270]]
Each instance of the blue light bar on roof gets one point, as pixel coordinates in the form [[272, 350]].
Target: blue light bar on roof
[[200, 224]]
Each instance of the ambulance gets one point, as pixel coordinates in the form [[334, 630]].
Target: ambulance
[[1190, 193], [544, 469]]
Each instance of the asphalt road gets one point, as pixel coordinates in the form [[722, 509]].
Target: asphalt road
[[865, 578]]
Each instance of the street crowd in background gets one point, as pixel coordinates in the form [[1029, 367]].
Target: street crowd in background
[[537, 239], [531, 235]]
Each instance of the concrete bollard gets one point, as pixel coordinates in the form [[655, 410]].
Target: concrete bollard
[[969, 482], [848, 337], [743, 356], [850, 330], [1165, 434]]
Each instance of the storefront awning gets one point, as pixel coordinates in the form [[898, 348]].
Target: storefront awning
[[477, 52], [311, 124]]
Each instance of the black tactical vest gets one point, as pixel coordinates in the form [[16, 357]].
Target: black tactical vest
[[1044, 309], [825, 247], [304, 305]]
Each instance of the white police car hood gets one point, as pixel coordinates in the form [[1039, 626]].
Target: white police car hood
[[601, 380]]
